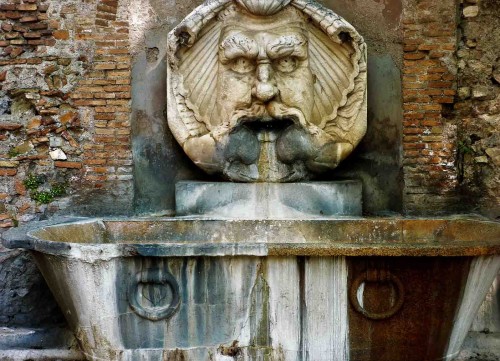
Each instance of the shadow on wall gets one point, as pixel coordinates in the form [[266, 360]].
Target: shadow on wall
[[377, 159], [24, 288], [159, 162]]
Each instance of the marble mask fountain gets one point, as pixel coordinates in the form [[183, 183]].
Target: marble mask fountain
[[267, 92], [271, 265]]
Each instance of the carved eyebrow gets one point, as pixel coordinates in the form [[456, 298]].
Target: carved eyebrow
[[238, 45], [287, 45]]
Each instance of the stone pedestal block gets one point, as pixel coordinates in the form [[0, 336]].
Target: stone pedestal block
[[269, 200]]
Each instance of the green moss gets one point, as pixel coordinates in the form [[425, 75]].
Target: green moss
[[13, 153], [33, 181], [464, 147], [43, 197], [58, 189]]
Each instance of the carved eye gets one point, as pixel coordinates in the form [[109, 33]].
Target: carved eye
[[286, 65], [242, 65]]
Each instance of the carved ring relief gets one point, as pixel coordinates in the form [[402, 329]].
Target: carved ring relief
[[266, 91]]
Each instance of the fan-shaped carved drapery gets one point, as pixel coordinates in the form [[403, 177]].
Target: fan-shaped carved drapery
[[336, 59]]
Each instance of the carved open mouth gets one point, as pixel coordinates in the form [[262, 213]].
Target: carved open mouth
[[260, 124]]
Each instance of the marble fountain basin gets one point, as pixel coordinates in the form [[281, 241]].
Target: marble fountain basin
[[210, 289]]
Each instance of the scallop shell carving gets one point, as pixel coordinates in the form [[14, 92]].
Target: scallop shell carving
[[263, 7]]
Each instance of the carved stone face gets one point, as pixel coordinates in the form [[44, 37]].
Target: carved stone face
[[265, 68], [267, 96], [265, 86]]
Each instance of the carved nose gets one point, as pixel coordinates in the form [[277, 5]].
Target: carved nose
[[264, 88], [265, 91]]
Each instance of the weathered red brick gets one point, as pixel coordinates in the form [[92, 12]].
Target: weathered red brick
[[13, 15], [61, 34], [10, 126], [28, 19], [32, 35], [65, 164], [9, 172], [26, 7], [7, 7]]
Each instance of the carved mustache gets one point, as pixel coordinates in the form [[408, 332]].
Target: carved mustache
[[266, 112]]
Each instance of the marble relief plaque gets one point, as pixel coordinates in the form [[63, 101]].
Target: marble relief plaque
[[266, 91]]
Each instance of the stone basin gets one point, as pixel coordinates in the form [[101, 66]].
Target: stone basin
[[217, 289]]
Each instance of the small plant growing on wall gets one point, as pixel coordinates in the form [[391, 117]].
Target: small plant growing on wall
[[464, 149], [34, 181], [13, 152]]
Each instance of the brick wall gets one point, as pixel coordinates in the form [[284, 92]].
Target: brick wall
[[64, 103], [451, 113], [66, 88], [429, 88], [106, 89]]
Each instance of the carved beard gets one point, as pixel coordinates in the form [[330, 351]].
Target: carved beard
[[260, 112], [273, 137]]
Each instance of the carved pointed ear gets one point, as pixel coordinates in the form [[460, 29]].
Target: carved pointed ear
[[186, 33]]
